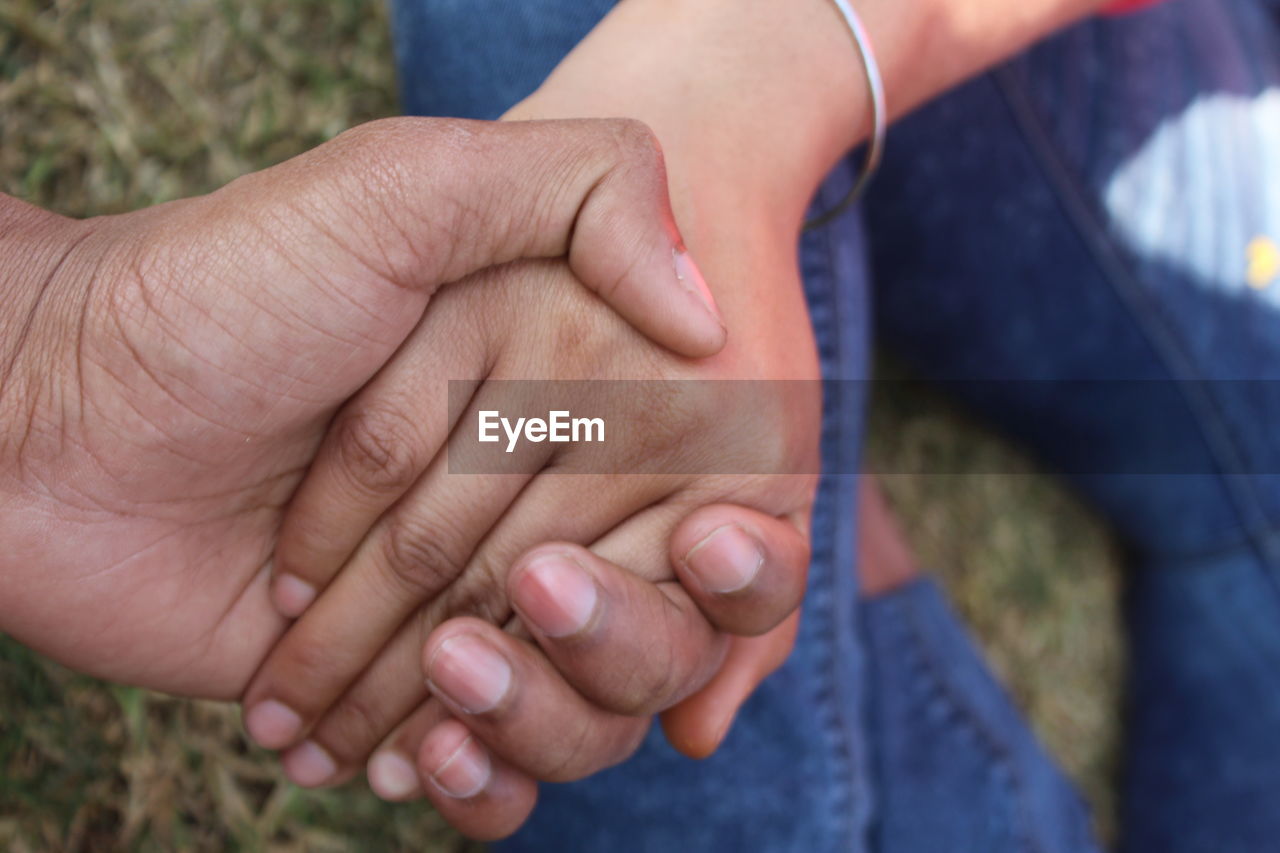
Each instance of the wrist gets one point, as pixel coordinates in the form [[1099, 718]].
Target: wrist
[[37, 250], [752, 100], [768, 94]]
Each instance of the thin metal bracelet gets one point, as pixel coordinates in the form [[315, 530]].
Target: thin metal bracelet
[[879, 119]]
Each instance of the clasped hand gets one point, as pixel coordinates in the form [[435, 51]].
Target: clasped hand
[[230, 412]]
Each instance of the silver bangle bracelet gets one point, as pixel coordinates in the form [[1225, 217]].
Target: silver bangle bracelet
[[879, 118]]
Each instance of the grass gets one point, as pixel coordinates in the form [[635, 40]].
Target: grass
[[111, 105], [88, 766]]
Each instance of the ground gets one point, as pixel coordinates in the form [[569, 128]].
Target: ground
[[111, 105]]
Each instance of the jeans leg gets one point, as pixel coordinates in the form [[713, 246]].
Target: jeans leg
[[957, 769], [1088, 212]]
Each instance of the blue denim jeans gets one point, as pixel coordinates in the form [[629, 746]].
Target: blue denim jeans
[[1082, 212]]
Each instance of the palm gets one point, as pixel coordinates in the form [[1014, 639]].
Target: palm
[[195, 416]]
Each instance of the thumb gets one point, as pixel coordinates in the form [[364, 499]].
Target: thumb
[[423, 202]]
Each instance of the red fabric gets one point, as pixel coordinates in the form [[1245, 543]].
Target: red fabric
[[1121, 7]]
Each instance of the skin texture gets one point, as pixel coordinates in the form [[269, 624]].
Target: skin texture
[[444, 545], [169, 374], [753, 102], [771, 339]]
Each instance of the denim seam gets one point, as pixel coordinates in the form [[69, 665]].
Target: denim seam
[[826, 699], [826, 326], [859, 810], [915, 634], [826, 692], [820, 558], [1163, 338]]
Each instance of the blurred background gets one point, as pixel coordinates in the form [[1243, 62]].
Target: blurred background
[[111, 105]]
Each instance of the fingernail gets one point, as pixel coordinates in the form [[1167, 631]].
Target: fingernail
[[391, 776], [272, 724], [292, 595], [691, 277], [466, 772], [556, 595], [470, 672], [727, 560], [309, 764]]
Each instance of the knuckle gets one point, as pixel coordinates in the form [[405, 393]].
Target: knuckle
[[375, 170], [301, 663], [417, 556], [376, 144], [355, 726], [480, 595], [646, 689], [634, 158], [590, 749], [567, 760], [635, 142], [357, 163], [305, 546], [377, 447]]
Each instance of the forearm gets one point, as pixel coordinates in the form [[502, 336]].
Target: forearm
[[773, 89]]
